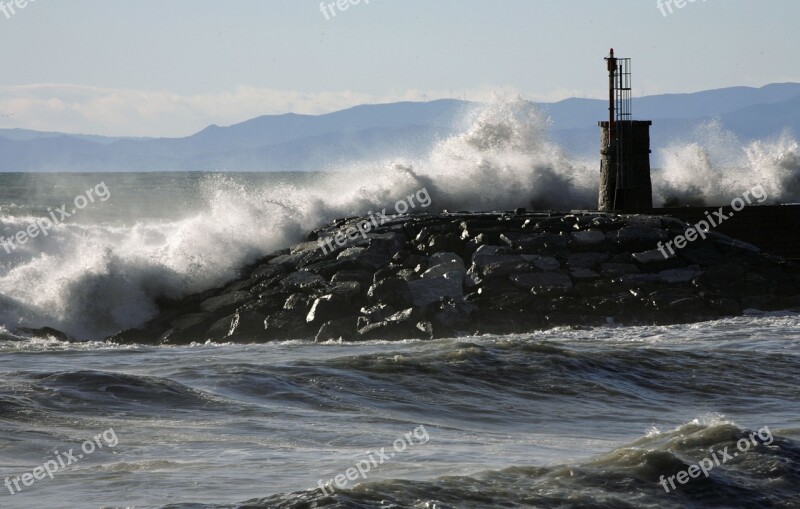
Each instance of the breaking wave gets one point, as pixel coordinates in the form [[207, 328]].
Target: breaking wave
[[92, 279]]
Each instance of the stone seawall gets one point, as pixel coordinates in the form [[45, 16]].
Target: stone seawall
[[451, 274], [773, 228]]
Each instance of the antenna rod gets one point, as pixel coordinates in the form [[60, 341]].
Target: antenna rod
[[612, 70]]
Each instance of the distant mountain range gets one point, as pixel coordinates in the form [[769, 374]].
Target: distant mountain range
[[377, 132]]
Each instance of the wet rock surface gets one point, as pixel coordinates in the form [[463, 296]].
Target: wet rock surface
[[442, 275]]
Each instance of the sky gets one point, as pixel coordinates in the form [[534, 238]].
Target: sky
[[172, 67]]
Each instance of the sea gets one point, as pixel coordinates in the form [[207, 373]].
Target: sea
[[681, 416]]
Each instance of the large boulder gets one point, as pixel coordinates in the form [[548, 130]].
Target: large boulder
[[392, 291], [405, 324], [328, 307], [427, 291]]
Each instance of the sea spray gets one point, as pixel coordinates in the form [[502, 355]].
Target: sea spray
[[92, 278]]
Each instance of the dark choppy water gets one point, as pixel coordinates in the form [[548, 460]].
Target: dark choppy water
[[565, 418]]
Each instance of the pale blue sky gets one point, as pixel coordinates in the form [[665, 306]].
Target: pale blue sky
[[170, 67]]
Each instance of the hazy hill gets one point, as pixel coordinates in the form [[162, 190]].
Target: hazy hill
[[370, 132]]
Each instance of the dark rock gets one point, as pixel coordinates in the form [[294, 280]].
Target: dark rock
[[505, 268], [588, 240], [301, 280], [699, 253], [490, 237], [492, 287], [343, 329], [360, 276], [584, 275], [133, 337], [614, 270], [514, 240], [297, 302], [285, 325], [376, 255], [350, 254], [542, 244], [392, 291], [189, 328], [735, 280], [326, 308], [226, 302], [402, 325], [638, 238], [414, 260], [543, 282], [247, 324], [586, 260], [220, 329], [58, 335], [328, 268], [725, 242], [636, 280], [451, 315], [427, 291], [381, 274], [268, 271], [378, 313], [689, 309], [666, 297], [544, 263], [269, 302], [444, 257], [607, 224], [349, 291], [762, 302], [443, 263], [678, 275], [725, 307], [654, 261], [482, 260], [444, 243], [511, 301], [408, 275], [300, 256]]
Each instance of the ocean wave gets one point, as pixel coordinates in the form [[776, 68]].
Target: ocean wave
[[623, 478], [94, 278]]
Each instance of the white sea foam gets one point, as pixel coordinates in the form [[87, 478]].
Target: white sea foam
[[93, 279]]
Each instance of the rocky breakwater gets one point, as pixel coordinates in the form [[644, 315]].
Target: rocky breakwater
[[449, 274]]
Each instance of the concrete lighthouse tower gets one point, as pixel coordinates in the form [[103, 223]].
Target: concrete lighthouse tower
[[625, 147]]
